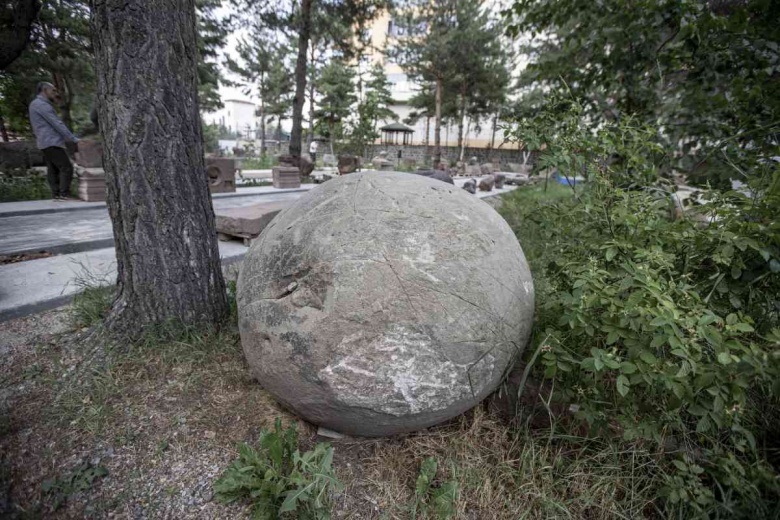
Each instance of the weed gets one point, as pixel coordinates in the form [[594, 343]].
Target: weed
[[432, 500], [277, 479], [79, 479]]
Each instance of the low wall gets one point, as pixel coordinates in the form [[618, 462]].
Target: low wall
[[423, 155]]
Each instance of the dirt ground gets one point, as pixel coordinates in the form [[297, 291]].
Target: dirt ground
[[143, 434]]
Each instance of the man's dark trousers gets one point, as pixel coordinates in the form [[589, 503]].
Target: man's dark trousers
[[59, 170]]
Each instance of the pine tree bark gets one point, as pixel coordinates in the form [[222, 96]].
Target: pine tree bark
[[437, 126], [300, 79], [311, 96], [158, 199]]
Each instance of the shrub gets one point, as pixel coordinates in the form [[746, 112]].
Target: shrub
[[663, 330]]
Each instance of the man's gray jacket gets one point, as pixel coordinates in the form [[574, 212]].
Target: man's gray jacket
[[49, 130]]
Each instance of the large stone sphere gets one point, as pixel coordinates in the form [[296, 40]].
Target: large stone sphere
[[384, 302]]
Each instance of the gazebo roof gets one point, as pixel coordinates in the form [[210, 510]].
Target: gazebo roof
[[397, 127]]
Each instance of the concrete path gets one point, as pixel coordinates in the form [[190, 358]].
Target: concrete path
[[75, 231], [46, 283], [38, 285]]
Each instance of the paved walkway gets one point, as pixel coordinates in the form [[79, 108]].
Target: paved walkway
[[84, 239]]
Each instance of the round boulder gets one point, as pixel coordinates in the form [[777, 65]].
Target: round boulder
[[384, 302]]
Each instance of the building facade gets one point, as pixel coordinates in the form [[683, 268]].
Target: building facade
[[238, 116]]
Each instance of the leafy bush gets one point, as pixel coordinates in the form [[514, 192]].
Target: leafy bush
[[27, 186], [278, 480], [660, 329], [264, 162]]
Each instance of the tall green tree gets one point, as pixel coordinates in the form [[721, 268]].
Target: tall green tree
[[263, 71], [325, 20], [212, 35], [455, 46], [706, 72], [59, 51], [337, 86], [377, 98]]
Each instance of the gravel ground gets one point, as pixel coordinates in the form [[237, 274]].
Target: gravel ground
[[87, 431]]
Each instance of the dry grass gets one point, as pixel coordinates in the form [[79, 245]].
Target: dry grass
[[508, 475], [164, 418]]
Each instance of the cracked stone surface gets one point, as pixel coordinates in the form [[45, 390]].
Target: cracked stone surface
[[384, 302]]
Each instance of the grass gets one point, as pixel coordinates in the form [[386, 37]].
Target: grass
[[31, 186]]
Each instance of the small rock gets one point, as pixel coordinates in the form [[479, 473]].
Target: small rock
[[487, 183], [470, 186], [210, 434], [330, 434]]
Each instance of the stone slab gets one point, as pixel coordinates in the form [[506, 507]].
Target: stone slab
[[247, 221]]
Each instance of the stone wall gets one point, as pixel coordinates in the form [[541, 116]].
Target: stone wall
[[423, 154]]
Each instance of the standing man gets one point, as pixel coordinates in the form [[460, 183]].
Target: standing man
[[51, 135], [313, 152]]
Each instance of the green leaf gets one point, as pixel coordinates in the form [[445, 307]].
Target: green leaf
[[724, 358], [627, 367], [622, 385], [743, 327], [648, 357]]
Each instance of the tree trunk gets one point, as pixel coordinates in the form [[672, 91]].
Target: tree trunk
[[437, 126], [300, 79], [493, 136], [463, 141], [158, 199], [65, 99], [461, 118], [311, 98], [262, 127], [3, 130]]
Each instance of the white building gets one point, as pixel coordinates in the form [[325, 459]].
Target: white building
[[237, 116]]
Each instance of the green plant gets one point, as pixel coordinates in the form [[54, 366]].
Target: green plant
[[655, 327], [92, 305], [81, 478], [264, 162], [30, 185], [433, 500], [278, 480]]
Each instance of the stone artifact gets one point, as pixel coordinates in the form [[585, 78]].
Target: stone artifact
[[303, 163], [470, 186], [348, 164], [487, 169], [221, 172], [286, 177], [329, 159], [246, 222], [365, 308], [487, 183], [92, 183], [436, 174], [516, 179], [500, 178], [382, 163], [89, 154]]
